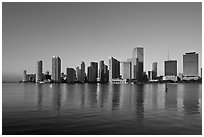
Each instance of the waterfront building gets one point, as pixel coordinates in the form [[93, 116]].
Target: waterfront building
[[170, 68], [101, 70], [114, 69], [78, 74], [154, 70], [150, 75], [71, 75], [91, 75], [95, 66], [39, 76], [106, 74], [56, 69], [126, 70], [83, 74], [190, 64], [138, 53], [134, 67]]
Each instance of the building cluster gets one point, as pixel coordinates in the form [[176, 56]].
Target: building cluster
[[131, 70]]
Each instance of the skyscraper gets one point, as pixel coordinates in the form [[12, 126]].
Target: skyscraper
[[101, 70], [190, 64], [95, 66], [78, 74], [106, 73], [71, 75], [91, 75], [138, 53], [126, 70], [56, 69], [83, 74], [134, 67], [114, 69], [170, 67], [154, 70], [39, 76]]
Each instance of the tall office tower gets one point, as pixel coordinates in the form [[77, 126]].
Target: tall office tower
[[83, 74], [91, 74], [170, 68], [78, 74], [134, 67], [71, 75], [95, 66], [39, 76], [101, 70], [154, 70], [24, 76], [56, 69], [126, 70], [138, 53], [106, 74], [190, 64], [114, 69]]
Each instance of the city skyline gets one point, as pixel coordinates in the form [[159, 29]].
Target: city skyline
[[91, 32]]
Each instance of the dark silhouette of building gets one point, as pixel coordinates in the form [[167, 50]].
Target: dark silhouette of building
[[56, 69], [114, 69]]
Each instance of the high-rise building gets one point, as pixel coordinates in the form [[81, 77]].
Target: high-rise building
[[39, 76], [106, 74], [56, 69], [138, 53], [134, 67], [170, 68], [154, 70], [71, 75], [114, 69], [101, 70], [190, 64], [126, 69], [83, 74], [78, 74], [95, 65], [91, 74]]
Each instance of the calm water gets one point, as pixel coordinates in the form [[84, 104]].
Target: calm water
[[101, 109]]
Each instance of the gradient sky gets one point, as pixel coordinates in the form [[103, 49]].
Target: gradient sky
[[95, 31]]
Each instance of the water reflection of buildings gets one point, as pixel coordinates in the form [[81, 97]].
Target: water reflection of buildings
[[115, 96], [92, 94], [191, 96], [102, 95], [171, 97], [140, 101], [56, 98], [154, 93], [40, 96]]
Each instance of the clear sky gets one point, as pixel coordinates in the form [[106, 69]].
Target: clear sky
[[95, 31]]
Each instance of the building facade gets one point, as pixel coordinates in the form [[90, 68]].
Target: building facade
[[56, 69], [170, 68], [39, 76], [154, 70], [138, 53], [95, 66], [126, 70], [71, 75], [91, 74], [114, 69], [190, 64], [83, 74]]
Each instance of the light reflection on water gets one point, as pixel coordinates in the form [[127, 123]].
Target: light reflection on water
[[137, 109]]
